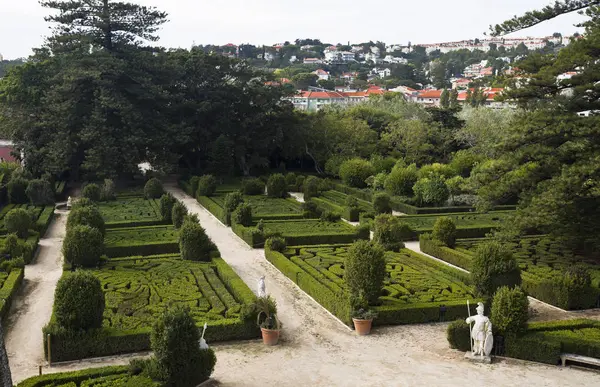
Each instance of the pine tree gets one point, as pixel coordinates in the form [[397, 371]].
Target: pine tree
[[454, 99], [445, 99]]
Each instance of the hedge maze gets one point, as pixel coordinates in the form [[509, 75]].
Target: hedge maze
[[468, 224], [267, 208], [131, 212], [151, 240]]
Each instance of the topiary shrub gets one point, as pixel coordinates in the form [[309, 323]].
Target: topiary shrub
[[276, 244], [107, 191], [494, 266], [17, 190], [444, 230], [243, 215], [167, 201], [365, 270], [194, 180], [174, 341], [431, 191], [510, 310], [276, 186], [330, 216], [352, 202], [88, 216], [79, 301], [436, 170], [178, 214], [310, 188], [253, 186], [83, 246], [232, 201], [92, 192], [459, 335], [153, 189], [355, 172], [290, 180], [382, 203], [194, 244], [300, 183], [40, 192], [575, 287], [18, 221], [390, 232], [82, 202], [310, 209], [207, 185], [401, 180], [325, 185]]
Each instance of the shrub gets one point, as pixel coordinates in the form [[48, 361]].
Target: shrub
[[378, 181], [207, 185], [153, 189], [276, 244], [325, 185], [310, 209], [194, 244], [178, 214], [382, 203], [17, 190], [88, 216], [390, 232], [444, 230], [79, 301], [310, 187], [276, 186], [382, 164], [40, 192], [232, 201], [352, 201], [82, 202], [300, 183], [464, 161], [365, 270], [253, 186], [575, 288], [174, 340], [510, 310], [459, 335], [332, 166], [83, 246], [355, 172], [194, 181], [494, 266], [290, 179], [243, 215], [108, 190], [401, 180], [455, 185], [431, 192], [329, 216], [92, 192], [167, 201], [436, 170], [18, 221]]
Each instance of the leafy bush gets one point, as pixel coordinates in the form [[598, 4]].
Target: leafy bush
[[276, 244], [207, 185], [178, 214], [40, 192], [88, 216], [352, 202], [290, 179], [310, 209], [332, 166], [277, 186], [355, 172], [83, 246], [153, 189], [300, 183], [390, 232], [377, 182], [194, 244], [17, 190], [365, 270], [455, 185], [382, 203], [79, 301], [243, 215], [92, 192], [329, 216], [82, 202], [108, 190], [494, 266], [253, 186], [510, 310], [459, 335], [444, 230], [167, 201], [174, 340], [382, 164], [431, 191], [18, 221], [464, 161], [232, 201], [194, 181], [325, 185], [310, 188], [401, 180], [575, 287], [436, 170]]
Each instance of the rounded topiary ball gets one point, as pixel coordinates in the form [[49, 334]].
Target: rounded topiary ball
[[355, 172], [444, 230], [167, 201], [510, 310], [153, 189], [89, 216], [79, 301], [18, 221], [277, 186], [207, 185], [92, 192], [194, 244], [494, 266], [178, 214], [365, 270], [83, 246]]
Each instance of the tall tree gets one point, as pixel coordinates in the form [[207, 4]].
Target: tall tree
[[445, 99]]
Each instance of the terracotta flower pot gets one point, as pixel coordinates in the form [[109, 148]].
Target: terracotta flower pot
[[362, 327], [270, 336]]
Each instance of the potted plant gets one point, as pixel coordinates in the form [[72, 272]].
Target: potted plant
[[363, 319], [267, 320]]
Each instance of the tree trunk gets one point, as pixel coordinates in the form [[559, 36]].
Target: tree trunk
[[5, 375], [317, 168]]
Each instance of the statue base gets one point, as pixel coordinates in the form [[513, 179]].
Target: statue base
[[478, 358]]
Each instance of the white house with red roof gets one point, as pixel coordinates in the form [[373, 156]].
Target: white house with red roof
[[322, 74], [312, 61], [318, 99]]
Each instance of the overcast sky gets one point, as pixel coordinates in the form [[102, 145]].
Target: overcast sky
[[22, 24]]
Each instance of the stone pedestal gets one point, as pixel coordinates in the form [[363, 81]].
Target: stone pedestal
[[477, 358]]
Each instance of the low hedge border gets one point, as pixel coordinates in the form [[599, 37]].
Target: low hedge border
[[9, 290], [438, 250], [419, 313], [138, 223], [350, 214], [148, 248], [77, 377], [44, 219], [215, 209]]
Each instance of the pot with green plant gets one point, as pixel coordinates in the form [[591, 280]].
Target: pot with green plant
[[267, 320], [363, 320]]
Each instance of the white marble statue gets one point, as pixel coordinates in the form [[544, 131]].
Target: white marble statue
[[69, 202], [481, 332], [202, 342], [261, 287]]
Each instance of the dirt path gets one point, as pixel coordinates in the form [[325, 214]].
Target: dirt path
[[32, 307]]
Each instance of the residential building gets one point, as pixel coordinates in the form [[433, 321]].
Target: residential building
[[461, 83], [315, 100], [332, 56], [350, 77], [322, 74], [268, 56], [347, 56], [393, 59], [429, 98], [307, 47], [312, 61], [372, 57], [6, 149], [382, 73]]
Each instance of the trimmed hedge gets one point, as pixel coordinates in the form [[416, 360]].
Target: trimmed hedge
[[43, 221], [438, 250], [419, 313], [77, 377], [9, 290], [215, 209]]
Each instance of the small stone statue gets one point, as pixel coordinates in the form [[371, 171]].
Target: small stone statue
[[202, 342], [481, 333], [69, 203], [261, 287]]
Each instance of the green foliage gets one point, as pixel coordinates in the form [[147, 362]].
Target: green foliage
[[365, 270], [464, 161], [107, 191], [277, 186], [390, 232], [222, 156], [351, 201], [325, 185], [510, 310], [444, 230], [153, 189], [276, 244], [266, 308], [328, 216], [290, 179], [459, 336], [194, 181], [300, 183], [82, 202], [401, 180], [87, 216], [355, 172], [79, 301], [232, 201], [310, 209], [174, 341], [40, 192], [382, 203], [243, 215], [382, 164], [92, 192], [431, 192], [253, 186], [194, 244], [83, 245], [436, 170], [178, 213], [377, 182], [435, 248], [17, 190], [494, 266], [310, 187], [18, 221], [167, 201], [207, 185], [333, 164]]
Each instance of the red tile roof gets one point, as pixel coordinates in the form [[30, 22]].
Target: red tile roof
[[430, 94]]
